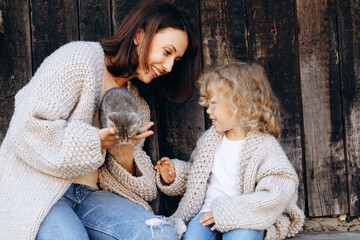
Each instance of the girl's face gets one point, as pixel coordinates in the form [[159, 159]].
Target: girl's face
[[167, 46], [220, 114]]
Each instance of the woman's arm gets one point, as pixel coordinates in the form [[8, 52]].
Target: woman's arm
[[135, 172], [43, 132], [141, 183]]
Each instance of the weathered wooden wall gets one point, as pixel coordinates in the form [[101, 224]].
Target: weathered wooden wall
[[310, 49]]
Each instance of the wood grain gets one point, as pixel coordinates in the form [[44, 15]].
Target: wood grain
[[224, 34], [180, 125], [321, 101], [94, 20], [349, 35], [271, 37], [119, 10], [53, 24], [15, 56]]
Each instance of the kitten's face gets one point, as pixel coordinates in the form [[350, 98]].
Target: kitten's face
[[126, 125]]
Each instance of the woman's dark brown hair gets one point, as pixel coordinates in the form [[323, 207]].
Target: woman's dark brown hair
[[152, 16]]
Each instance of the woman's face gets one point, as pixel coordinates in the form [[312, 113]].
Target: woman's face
[[167, 46]]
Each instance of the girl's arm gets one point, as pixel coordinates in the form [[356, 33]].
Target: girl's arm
[[178, 187], [182, 170]]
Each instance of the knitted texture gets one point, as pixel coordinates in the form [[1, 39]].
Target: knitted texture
[[114, 178], [267, 183], [51, 139]]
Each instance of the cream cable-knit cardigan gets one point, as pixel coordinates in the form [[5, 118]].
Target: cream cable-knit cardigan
[[267, 183], [51, 140]]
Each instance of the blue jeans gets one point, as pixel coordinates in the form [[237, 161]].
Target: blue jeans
[[196, 231], [86, 213]]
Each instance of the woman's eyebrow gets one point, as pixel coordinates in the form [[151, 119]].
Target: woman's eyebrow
[[172, 46]]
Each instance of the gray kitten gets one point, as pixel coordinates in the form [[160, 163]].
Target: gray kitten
[[120, 110]]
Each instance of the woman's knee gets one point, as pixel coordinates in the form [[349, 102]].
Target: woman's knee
[[159, 228], [62, 223], [109, 216], [152, 228]]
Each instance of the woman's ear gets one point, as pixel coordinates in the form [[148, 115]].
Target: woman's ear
[[139, 36]]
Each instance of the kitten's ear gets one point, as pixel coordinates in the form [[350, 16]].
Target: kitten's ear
[[134, 122], [111, 119], [133, 118]]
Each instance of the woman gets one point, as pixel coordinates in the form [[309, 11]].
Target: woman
[[53, 180]]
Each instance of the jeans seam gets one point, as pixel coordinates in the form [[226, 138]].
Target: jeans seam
[[89, 226]]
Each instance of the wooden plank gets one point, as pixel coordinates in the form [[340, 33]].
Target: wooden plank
[[119, 10], [179, 126], [94, 20], [349, 35], [53, 24], [15, 56], [321, 101], [271, 36], [224, 34]]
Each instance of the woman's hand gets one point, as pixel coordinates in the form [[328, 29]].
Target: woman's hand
[[107, 138], [123, 154], [208, 219], [167, 170], [145, 132]]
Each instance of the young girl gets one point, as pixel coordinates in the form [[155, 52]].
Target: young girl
[[239, 183], [54, 181]]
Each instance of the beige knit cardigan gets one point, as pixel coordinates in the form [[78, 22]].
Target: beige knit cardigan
[[267, 183], [51, 140]]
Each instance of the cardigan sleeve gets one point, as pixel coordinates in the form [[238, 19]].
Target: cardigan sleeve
[[182, 170], [42, 132], [178, 187], [275, 188], [142, 184]]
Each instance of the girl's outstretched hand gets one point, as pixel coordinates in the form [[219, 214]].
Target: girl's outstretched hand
[[208, 219], [167, 170]]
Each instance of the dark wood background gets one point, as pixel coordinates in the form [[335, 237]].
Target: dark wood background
[[310, 49]]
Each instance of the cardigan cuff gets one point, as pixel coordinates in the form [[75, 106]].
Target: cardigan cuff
[[179, 185]]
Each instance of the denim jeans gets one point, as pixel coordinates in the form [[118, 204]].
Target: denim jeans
[[86, 213], [196, 231]]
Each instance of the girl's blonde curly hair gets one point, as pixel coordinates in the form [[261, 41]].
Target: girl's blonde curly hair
[[248, 93]]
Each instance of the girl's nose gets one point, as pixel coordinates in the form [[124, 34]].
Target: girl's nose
[[208, 111]]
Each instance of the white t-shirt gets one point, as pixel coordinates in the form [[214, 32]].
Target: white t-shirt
[[224, 173]]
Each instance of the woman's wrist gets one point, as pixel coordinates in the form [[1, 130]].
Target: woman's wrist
[[124, 156]]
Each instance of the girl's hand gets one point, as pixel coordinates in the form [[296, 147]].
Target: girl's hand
[[208, 219], [167, 170]]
